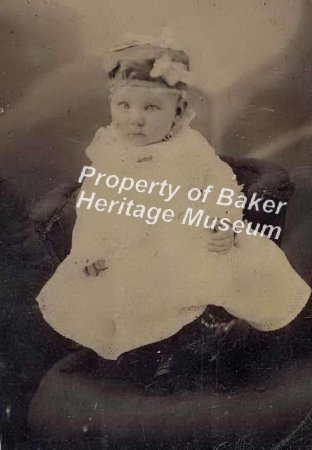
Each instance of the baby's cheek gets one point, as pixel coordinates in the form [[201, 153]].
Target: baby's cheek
[[119, 125], [161, 128]]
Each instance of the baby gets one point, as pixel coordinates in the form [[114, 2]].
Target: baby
[[126, 283], [144, 115]]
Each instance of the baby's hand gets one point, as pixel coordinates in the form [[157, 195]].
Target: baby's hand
[[220, 241]]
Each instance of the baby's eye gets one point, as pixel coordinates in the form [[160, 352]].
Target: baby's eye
[[152, 108], [124, 105]]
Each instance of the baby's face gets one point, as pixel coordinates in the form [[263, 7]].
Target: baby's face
[[143, 115]]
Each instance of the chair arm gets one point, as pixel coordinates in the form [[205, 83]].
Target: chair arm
[[267, 180]]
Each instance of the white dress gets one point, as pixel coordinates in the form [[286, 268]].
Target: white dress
[[161, 277]]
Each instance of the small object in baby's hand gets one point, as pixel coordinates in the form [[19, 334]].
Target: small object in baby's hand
[[220, 241], [95, 268]]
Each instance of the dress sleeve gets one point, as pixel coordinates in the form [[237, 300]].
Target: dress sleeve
[[100, 148], [93, 149]]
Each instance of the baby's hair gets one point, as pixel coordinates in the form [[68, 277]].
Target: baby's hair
[[140, 72], [138, 63], [131, 70]]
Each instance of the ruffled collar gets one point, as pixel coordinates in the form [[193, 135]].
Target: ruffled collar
[[107, 137]]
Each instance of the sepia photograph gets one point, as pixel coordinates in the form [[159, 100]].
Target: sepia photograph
[[155, 225]]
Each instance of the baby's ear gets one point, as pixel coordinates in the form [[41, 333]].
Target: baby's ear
[[181, 107]]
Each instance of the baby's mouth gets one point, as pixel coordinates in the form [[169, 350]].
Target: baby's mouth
[[136, 133]]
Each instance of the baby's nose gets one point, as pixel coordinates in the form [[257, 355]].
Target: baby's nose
[[138, 118]]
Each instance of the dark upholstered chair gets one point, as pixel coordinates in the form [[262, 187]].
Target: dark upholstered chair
[[86, 401]]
